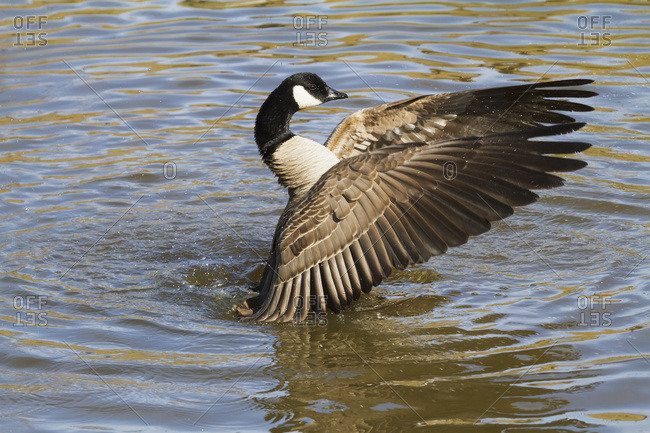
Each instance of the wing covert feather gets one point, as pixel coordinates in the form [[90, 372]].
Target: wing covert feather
[[431, 118]]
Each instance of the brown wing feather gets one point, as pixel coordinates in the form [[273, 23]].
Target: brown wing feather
[[395, 206], [432, 118]]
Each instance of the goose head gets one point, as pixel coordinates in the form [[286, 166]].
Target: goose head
[[296, 92], [309, 90]]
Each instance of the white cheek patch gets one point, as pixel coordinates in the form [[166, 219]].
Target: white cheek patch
[[303, 98]]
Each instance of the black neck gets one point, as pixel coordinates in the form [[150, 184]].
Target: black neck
[[272, 123]]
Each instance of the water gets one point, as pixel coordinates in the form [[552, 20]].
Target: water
[[135, 213]]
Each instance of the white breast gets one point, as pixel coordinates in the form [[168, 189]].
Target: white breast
[[300, 162]]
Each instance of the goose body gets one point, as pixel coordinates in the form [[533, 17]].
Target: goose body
[[399, 183]]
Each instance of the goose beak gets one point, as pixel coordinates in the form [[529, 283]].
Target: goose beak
[[334, 94]]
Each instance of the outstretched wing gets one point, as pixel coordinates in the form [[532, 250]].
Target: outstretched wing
[[432, 118], [399, 205]]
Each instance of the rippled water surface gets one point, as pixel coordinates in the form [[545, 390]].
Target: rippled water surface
[[135, 214]]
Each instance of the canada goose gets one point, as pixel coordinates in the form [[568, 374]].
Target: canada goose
[[398, 183]]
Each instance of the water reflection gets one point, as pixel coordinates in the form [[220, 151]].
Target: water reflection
[[388, 374]]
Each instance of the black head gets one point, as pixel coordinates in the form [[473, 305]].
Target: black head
[[308, 90], [296, 92]]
